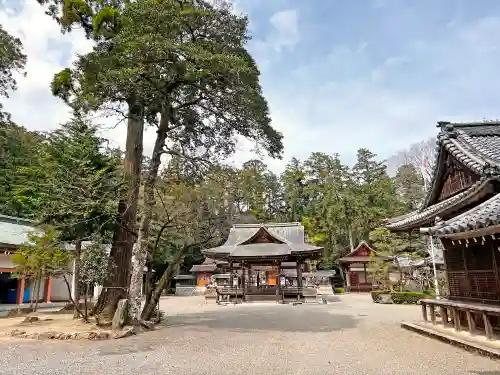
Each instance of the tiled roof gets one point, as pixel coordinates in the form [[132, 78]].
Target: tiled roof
[[261, 250], [476, 145], [360, 259], [14, 231], [290, 236], [428, 213], [287, 232], [203, 268], [484, 215]]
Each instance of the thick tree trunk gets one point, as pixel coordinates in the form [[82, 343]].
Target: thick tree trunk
[[76, 287], [37, 298], [33, 292], [141, 248], [149, 309], [148, 285], [116, 287], [351, 239]]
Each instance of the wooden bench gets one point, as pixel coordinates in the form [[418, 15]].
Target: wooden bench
[[450, 310]]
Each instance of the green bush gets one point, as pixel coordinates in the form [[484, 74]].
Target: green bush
[[339, 290], [376, 294], [430, 292], [407, 298]]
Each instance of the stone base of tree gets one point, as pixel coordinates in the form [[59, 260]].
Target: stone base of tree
[[90, 335]]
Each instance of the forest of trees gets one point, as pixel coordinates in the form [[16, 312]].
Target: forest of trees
[[180, 66]]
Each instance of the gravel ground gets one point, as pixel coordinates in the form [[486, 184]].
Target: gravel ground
[[352, 336]]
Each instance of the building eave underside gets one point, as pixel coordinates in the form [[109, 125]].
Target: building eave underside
[[481, 220], [426, 216]]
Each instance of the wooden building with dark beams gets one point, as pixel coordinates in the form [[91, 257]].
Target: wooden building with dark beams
[[266, 261], [462, 210], [358, 267]]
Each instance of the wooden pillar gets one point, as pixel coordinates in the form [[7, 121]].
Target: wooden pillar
[[21, 283], [471, 323], [279, 292], [299, 278], [444, 315], [487, 326], [456, 319], [231, 274], [433, 313], [348, 279], [243, 281], [495, 267], [299, 273], [424, 312], [364, 269], [47, 290]]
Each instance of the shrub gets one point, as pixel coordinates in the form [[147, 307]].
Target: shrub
[[376, 294], [407, 298], [430, 292], [339, 290]]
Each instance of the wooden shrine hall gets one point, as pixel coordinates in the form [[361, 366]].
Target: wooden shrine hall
[[462, 210], [266, 261]]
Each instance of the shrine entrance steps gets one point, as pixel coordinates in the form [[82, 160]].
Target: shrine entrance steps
[[260, 298]]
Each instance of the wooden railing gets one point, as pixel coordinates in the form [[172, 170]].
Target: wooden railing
[[450, 312]]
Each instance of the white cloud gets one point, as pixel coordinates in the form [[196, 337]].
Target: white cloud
[[286, 25], [330, 104]]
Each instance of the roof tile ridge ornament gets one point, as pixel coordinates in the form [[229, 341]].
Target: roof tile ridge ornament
[[491, 171], [448, 129]]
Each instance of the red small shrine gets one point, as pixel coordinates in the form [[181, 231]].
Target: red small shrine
[[357, 265]]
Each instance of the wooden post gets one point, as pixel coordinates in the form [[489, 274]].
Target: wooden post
[[21, 283], [231, 274], [348, 280], [424, 312], [47, 290], [433, 313], [299, 279], [444, 315], [243, 281], [487, 326], [279, 294], [456, 319], [471, 323]]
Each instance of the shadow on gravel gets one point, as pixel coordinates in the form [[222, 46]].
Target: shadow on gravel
[[274, 318]]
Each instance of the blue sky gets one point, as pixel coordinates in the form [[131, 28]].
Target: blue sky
[[338, 75]]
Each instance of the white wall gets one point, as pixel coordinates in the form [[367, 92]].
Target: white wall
[[59, 291], [5, 261]]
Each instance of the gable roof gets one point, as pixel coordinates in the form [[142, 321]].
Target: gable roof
[[476, 147], [353, 256], [283, 232], [290, 238], [359, 247]]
